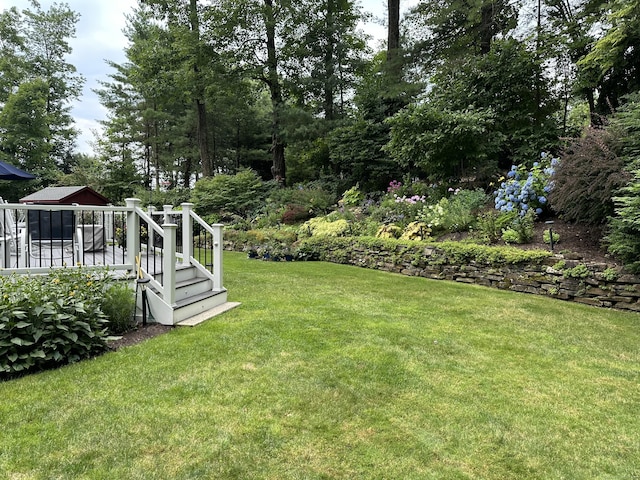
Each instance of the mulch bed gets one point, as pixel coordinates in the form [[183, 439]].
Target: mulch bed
[[140, 334]]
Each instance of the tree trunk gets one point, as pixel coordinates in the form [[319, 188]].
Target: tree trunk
[[393, 39], [278, 169], [329, 65], [201, 107]]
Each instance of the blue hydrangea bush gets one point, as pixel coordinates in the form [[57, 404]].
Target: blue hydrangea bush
[[525, 189]]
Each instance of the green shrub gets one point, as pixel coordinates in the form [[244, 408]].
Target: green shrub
[[520, 230], [456, 213], [226, 195], [547, 235], [510, 236], [327, 248], [624, 229], [416, 231], [118, 305], [462, 208], [579, 271], [389, 231], [491, 224], [610, 274], [48, 321], [323, 226], [352, 197]]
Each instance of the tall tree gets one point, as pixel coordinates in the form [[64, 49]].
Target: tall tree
[[47, 34], [613, 63], [249, 32], [34, 46], [183, 18], [12, 49]]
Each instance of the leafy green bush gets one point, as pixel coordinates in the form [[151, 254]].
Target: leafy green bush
[[326, 248], [520, 230], [548, 235], [48, 321], [491, 224], [624, 229], [226, 195], [352, 197], [456, 213], [118, 305], [579, 271]]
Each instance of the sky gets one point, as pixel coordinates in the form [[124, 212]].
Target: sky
[[99, 38]]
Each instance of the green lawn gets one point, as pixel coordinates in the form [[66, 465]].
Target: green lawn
[[329, 371]]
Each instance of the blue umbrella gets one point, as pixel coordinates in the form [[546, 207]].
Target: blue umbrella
[[9, 172]]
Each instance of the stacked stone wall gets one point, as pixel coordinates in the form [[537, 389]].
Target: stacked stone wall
[[591, 283]]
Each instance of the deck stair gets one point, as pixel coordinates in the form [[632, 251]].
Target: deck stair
[[194, 295]]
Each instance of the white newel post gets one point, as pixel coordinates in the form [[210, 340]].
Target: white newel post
[[166, 210], [169, 263], [187, 233], [133, 231], [217, 256]]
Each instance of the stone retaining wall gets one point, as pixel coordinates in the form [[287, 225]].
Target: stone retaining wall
[[591, 283]]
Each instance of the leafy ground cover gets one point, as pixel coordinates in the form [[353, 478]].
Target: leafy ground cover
[[330, 371]]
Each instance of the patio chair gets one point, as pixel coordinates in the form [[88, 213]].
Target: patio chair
[[50, 234], [12, 238]]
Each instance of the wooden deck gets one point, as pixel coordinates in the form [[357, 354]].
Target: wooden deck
[[60, 254]]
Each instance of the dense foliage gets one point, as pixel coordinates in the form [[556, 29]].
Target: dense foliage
[[589, 175], [241, 97], [48, 321]]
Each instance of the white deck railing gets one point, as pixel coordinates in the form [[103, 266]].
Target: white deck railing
[[93, 236]]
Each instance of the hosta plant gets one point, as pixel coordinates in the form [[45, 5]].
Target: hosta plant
[[48, 321]]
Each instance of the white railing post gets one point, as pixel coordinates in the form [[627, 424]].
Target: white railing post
[[133, 231], [217, 256], [187, 233], [169, 263], [166, 209]]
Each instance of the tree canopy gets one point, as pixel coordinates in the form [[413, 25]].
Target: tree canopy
[[295, 92]]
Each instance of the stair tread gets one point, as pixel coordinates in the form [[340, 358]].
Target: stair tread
[[198, 297], [191, 281]]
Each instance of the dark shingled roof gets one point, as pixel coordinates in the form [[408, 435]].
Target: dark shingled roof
[[62, 195]]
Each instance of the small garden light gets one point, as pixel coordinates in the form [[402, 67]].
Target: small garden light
[[550, 222]]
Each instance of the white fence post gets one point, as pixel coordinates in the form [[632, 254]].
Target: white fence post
[[133, 231], [169, 263], [187, 233], [217, 256]]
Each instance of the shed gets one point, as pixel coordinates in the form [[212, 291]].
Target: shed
[[81, 195]]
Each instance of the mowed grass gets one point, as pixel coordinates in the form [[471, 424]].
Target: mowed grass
[[328, 371]]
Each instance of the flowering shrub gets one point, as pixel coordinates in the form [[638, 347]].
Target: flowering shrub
[[526, 189]]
